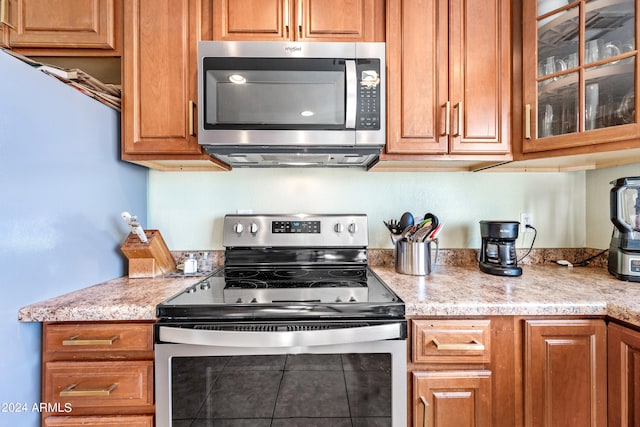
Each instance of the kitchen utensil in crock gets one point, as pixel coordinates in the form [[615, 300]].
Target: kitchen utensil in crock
[[406, 220], [393, 226]]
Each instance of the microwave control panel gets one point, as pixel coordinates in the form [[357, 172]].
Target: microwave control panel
[[368, 114]]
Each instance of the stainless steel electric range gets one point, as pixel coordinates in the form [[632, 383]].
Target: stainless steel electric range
[[295, 329]]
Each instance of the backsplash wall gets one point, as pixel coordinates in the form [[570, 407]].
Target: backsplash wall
[[188, 207]]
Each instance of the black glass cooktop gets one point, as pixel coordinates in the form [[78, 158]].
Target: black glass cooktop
[[284, 292]]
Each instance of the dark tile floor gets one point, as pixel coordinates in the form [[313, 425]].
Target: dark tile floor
[[306, 390]]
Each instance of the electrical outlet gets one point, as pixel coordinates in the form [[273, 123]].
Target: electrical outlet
[[525, 219]]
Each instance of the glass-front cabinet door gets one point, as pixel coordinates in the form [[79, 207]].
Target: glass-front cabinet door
[[580, 71]]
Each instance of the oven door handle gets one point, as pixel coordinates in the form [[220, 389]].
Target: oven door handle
[[323, 337]]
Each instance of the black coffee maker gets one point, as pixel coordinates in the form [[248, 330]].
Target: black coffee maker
[[498, 251]]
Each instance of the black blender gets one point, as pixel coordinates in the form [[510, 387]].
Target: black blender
[[624, 250], [498, 250]]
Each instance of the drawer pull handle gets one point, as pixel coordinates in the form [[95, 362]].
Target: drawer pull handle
[[71, 391], [91, 341], [474, 345], [424, 414]]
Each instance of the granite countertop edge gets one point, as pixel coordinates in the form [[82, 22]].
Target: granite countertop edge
[[448, 291]]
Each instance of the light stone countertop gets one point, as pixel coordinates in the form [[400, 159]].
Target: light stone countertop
[[448, 291], [541, 290]]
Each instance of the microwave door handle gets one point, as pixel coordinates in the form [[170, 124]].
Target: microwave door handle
[[352, 94]]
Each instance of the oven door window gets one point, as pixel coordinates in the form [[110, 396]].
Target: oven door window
[[281, 390], [281, 93]]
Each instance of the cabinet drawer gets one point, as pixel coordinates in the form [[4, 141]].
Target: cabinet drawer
[[451, 341], [105, 421], [113, 387], [97, 340]]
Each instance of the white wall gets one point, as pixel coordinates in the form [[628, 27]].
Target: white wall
[[188, 207], [599, 226]]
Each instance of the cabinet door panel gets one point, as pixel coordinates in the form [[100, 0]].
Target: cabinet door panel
[[252, 20], [565, 373], [479, 75], [624, 376], [159, 77], [453, 398], [63, 24], [340, 20], [417, 64]]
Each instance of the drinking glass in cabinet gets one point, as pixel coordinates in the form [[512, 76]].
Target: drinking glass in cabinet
[[558, 105], [558, 41], [591, 102], [610, 94]]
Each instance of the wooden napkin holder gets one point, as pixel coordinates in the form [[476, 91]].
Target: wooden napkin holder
[[149, 259]]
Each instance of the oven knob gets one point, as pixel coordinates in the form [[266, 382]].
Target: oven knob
[[353, 227], [254, 301], [191, 290], [253, 228], [339, 228], [238, 228], [205, 285]]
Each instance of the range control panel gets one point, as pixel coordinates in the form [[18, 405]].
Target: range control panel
[[300, 230], [295, 227]]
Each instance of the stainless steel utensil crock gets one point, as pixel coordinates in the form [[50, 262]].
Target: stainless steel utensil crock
[[414, 258]]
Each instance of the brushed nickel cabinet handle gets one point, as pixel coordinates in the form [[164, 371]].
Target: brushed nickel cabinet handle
[[91, 341], [192, 107], [474, 345], [527, 121], [4, 7], [299, 18], [286, 17], [426, 409], [71, 391], [459, 126], [447, 118]]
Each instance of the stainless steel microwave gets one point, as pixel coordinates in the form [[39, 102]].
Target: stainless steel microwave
[[267, 104]]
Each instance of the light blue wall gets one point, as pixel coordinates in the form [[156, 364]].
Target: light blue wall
[[62, 189]]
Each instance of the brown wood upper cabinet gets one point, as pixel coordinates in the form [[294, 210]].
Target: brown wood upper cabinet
[[159, 83], [62, 27], [580, 74], [449, 68], [298, 20], [565, 373]]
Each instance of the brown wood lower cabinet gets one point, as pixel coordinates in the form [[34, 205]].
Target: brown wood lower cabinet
[[565, 372], [98, 374], [452, 398], [506, 371], [452, 379], [624, 376]]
